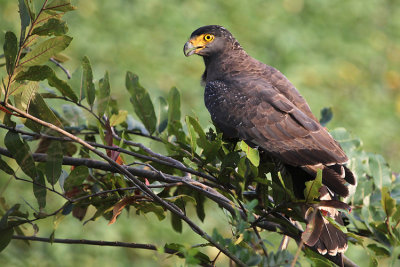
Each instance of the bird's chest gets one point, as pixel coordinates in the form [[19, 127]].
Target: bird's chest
[[225, 103], [219, 97]]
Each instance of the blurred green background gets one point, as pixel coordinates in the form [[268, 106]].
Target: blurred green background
[[339, 54]]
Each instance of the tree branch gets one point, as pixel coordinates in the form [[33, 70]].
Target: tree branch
[[97, 243], [180, 167], [266, 223], [142, 187]]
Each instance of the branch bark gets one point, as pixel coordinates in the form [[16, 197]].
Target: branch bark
[[102, 243]]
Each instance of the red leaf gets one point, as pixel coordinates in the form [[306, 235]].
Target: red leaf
[[108, 137], [119, 207]]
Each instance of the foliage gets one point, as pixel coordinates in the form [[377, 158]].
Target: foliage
[[190, 167]]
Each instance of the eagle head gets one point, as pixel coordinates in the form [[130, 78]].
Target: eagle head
[[209, 40]]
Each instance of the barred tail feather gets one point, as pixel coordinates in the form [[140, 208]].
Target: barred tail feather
[[320, 233]]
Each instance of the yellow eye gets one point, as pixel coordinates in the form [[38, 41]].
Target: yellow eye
[[208, 37]]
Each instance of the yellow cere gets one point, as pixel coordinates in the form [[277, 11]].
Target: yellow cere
[[202, 40]]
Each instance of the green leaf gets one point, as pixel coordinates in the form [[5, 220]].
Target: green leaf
[[21, 153], [162, 115], [151, 207], [203, 258], [210, 148], [373, 262], [39, 190], [54, 162], [10, 48], [176, 223], [347, 142], [231, 160], [29, 91], [388, 203], [174, 246], [155, 189], [311, 191], [62, 86], [192, 135], [5, 237], [76, 177], [24, 16], [60, 5], [35, 73], [87, 79], [77, 83], [6, 231], [326, 116], [104, 95], [200, 199], [39, 108], [5, 167], [379, 250], [174, 115], [141, 101], [282, 182], [45, 50], [379, 171], [396, 215], [31, 8], [23, 99], [118, 118], [251, 153], [51, 27]]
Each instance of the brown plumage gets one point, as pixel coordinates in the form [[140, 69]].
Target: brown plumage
[[254, 102]]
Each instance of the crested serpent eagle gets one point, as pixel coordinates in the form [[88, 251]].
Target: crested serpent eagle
[[254, 102]]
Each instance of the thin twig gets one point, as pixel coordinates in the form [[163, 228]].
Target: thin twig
[[61, 67], [261, 242], [81, 106], [155, 138], [296, 256], [215, 259], [123, 189], [150, 152], [42, 186]]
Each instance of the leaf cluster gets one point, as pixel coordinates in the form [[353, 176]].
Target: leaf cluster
[[192, 167]]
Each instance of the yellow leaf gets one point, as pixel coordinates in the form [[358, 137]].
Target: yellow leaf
[[240, 239], [118, 118]]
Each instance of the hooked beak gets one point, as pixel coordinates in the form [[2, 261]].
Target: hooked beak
[[189, 49]]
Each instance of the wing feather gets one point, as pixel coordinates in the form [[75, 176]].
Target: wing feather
[[261, 115]]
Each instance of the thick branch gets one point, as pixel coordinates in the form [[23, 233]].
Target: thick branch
[[96, 243], [180, 167], [152, 175]]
